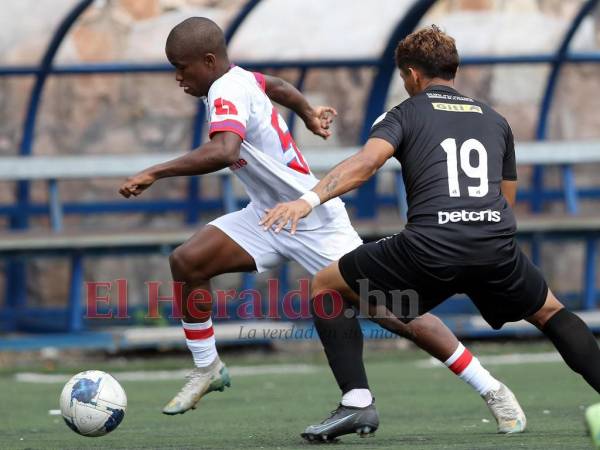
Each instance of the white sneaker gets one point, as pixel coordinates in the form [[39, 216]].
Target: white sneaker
[[506, 410], [200, 381]]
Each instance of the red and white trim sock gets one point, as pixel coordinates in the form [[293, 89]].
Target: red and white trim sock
[[468, 369], [200, 339]]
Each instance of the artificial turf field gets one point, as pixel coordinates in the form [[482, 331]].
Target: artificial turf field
[[421, 408]]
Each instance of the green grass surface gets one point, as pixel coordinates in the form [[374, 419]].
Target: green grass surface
[[421, 408]]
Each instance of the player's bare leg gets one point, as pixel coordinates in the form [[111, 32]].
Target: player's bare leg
[[208, 253], [431, 335], [571, 337], [428, 332]]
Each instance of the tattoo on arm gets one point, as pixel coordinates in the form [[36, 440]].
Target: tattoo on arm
[[332, 183]]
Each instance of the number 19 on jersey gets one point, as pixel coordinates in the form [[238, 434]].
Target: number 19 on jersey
[[480, 171]]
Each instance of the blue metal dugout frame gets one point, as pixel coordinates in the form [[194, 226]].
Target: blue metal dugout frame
[[366, 200]]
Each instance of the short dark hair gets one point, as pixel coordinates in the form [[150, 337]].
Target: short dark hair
[[430, 50], [196, 36]]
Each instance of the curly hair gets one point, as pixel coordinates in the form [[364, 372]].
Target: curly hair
[[430, 50]]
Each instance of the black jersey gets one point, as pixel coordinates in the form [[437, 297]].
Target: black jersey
[[454, 152]]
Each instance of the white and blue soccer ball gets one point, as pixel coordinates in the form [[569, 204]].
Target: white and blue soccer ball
[[93, 403]]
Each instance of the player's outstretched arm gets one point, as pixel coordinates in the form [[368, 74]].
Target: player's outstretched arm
[[348, 175], [317, 119], [220, 152]]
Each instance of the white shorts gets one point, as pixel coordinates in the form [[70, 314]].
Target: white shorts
[[312, 249]]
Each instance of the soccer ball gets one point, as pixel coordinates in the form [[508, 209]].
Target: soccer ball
[[93, 403]]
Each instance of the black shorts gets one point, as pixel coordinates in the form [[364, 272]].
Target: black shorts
[[391, 269]]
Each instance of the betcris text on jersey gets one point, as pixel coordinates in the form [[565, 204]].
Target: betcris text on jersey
[[468, 216]]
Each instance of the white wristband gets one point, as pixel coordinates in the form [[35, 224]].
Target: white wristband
[[312, 198]]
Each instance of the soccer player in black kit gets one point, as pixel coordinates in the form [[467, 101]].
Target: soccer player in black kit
[[458, 164]]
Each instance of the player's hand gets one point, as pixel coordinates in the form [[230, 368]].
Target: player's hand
[[319, 120], [137, 184], [283, 213]]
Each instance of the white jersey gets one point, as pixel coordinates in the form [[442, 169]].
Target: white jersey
[[270, 167]]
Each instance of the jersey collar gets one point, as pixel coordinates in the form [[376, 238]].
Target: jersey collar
[[440, 87]]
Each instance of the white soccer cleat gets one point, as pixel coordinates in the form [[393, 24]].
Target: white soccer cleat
[[200, 381], [506, 410]]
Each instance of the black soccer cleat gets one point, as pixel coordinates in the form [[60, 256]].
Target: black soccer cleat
[[344, 420]]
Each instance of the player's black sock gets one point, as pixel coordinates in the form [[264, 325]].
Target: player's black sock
[[342, 340], [576, 344]]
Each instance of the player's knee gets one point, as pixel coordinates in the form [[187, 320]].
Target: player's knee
[[320, 297], [426, 325], [178, 261], [318, 286], [551, 306], [186, 265]]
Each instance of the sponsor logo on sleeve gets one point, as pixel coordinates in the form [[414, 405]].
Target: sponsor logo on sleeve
[[225, 107]]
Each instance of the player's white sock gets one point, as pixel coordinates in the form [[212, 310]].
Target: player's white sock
[[358, 398], [468, 369], [200, 339]]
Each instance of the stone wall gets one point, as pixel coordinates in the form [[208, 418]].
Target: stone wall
[[149, 113]]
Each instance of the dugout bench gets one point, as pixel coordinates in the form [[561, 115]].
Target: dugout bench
[[77, 245]]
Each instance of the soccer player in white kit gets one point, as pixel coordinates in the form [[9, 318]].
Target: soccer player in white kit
[[249, 136]]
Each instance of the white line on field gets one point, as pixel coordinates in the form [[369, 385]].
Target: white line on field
[[156, 375], [513, 358]]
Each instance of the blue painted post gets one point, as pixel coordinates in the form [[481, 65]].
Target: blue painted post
[[589, 280], [537, 189], [16, 273], [194, 182], [536, 250], [44, 70], [239, 19], [229, 200], [75, 321], [570, 192], [291, 122], [366, 195], [16, 294], [401, 195], [248, 282], [194, 202], [55, 206], [284, 284]]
